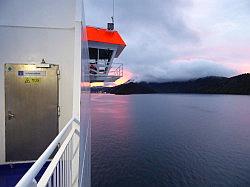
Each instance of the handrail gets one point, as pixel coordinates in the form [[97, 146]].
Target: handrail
[[29, 178], [52, 166], [118, 71]]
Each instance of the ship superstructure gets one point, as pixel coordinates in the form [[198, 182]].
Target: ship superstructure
[[104, 46]]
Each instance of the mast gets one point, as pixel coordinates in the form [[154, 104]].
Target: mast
[[111, 26]]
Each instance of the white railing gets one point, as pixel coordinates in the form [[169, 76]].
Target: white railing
[[116, 70], [60, 170]]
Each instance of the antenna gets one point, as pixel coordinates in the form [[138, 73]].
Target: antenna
[[113, 17], [111, 25]]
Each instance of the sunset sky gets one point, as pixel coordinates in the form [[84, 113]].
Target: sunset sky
[[178, 39]]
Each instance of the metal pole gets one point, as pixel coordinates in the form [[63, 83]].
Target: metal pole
[[113, 11]]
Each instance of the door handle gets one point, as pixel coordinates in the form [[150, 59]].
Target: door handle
[[10, 115]]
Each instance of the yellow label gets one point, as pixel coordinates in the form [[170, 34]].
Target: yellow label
[[33, 80]]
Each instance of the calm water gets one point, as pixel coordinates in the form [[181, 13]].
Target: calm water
[[170, 140]]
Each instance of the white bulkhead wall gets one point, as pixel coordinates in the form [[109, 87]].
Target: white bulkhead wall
[[42, 29]]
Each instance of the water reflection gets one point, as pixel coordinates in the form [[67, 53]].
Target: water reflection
[[170, 140], [111, 119], [111, 113]]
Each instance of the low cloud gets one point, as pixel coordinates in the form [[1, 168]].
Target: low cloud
[[183, 70]]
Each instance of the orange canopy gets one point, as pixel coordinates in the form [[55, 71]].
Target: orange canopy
[[104, 36]]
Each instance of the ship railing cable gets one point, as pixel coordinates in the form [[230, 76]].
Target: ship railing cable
[[60, 171]]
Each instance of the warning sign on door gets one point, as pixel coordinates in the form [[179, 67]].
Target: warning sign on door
[[30, 80], [27, 81]]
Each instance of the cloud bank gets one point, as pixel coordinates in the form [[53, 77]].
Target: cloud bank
[[184, 70]]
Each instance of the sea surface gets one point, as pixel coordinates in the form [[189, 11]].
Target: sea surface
[[170, 140]]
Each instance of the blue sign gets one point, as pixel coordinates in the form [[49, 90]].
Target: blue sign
[[20, 73]]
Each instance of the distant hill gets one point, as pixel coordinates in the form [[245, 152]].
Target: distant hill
[[207, 85], [99, 89]]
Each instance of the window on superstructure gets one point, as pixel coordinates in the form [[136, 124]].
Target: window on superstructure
[[105, 54], [93, 53], [100, 54]]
